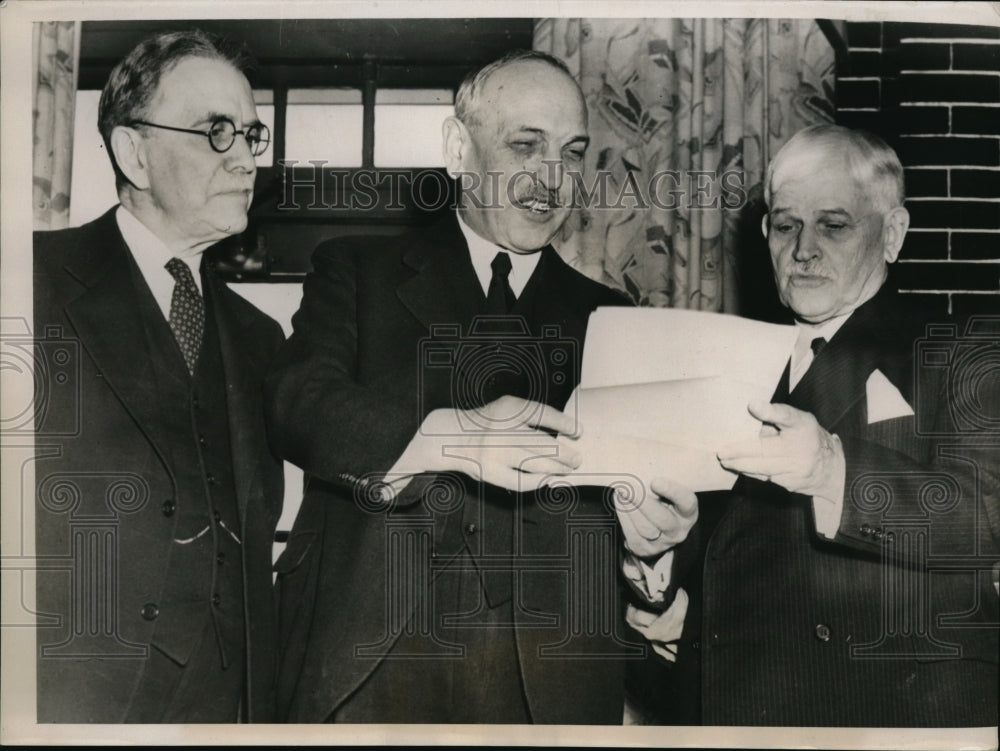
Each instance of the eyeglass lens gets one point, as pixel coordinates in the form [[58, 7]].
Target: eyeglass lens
[[223, 133]]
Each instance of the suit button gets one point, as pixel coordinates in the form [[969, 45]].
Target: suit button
[[201, 440], [168, 507], [696, 645], [823, 632], [470, 529], [220, 558], [210, 478], [866, 530], [195, 402], [216, 600], [149, 611], [216, 515]]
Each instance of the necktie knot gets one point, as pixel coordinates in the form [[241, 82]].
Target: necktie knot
[[181, 272], [187, 312], [501, 265], [500, 297], [817, 344]]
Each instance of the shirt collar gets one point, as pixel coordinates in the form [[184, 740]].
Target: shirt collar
[[482, 252], [151, 256]]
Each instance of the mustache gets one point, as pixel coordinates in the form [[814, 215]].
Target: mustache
[[539, 194]]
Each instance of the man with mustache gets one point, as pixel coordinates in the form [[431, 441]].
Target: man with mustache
[[848, 579], [422, 392], [157, 494]]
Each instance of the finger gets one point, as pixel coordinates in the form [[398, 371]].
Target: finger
[[743, 449], [553, 419], [638, 619], [641, 525], [782, 415], [634, 542], [511, 479], [547, 465], [669, 626], [681, 498], [767, 466], [667, 651]]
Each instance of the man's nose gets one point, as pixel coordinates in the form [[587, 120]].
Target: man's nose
[[806, 246], [240, 157], [551, 173]]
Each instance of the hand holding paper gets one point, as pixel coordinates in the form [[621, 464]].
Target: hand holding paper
[[653, 524], [793, 451], [479, 442]]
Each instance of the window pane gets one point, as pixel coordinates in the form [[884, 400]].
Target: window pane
[[324, 124], [408, 126], [264, 101]]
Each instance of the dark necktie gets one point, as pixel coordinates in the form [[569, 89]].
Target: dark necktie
[[816, 345], [500, 297], [187, 312]]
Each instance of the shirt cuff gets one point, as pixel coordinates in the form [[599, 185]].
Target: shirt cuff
[[657, 576], [828, 504]]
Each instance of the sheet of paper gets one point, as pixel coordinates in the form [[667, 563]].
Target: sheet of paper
[[662, 390], [645, 345], [671, 428]]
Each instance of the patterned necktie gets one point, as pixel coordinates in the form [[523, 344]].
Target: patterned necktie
[[187, 312], [500, 297]]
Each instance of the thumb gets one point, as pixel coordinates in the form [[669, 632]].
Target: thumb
[[781, 415]]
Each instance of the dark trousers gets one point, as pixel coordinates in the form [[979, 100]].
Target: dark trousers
[[201, 691], [482, 686]]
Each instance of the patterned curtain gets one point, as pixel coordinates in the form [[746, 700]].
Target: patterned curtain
[[684, 115], [56, 56]]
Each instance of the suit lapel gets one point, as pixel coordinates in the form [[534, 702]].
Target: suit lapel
[[107, 321], [836, 379], [444, 287]]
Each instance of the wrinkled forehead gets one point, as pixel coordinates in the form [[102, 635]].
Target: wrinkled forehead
[[533, 89], [198, 83], [818, 175]]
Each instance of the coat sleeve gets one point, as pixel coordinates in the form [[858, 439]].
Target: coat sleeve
[[319, 416]]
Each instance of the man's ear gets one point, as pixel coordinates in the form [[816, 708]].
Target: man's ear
[[129, 152], [894, 227], [455, 137]]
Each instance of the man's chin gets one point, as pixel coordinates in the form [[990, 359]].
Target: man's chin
[[534, 232]]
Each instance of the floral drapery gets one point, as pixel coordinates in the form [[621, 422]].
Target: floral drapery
[[684, 114], [56, 55]]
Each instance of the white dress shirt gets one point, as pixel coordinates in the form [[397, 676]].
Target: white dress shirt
[[151, 256], [482, 252]]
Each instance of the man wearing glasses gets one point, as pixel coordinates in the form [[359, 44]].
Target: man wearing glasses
[[157, 496]]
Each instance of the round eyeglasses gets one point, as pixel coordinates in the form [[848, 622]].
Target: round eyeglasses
[[222, 134]]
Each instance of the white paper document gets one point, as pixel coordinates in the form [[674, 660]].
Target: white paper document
[[663, 390]]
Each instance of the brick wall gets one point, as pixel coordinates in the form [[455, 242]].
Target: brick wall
[[933, 92]]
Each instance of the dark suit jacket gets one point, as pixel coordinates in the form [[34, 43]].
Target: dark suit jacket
[[348, 392], [892, 623], [98, 432]]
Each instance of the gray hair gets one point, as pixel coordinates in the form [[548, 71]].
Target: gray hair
[[134, 80], [467, 100], [871, 162]]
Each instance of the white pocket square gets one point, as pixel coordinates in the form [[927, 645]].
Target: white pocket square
[[884, 400]]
